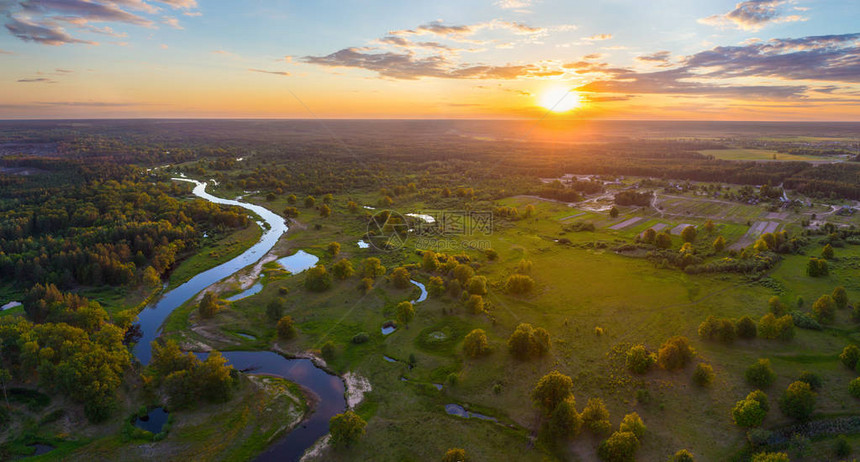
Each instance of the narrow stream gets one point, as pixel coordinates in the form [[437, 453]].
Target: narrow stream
[[328, 389]]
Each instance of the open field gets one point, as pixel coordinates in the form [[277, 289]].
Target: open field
[[763, 155]]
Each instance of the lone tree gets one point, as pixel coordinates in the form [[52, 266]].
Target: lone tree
[[683, 455], [565, 422], [310, 202], [346, 428], [286, 330], [595, 417], [633, 423], [709, 226], [827, 252], [750, 411], [208, 305], [840, 297], [551, 390], [528, 342], [476, 344], [798, 401], [640, 360], [405, 313], [688, 234], [824, 309], [675, 353], [850, 356], [760, 374], [613, 212], [703, 375], [325, 211], [620, 447], [455, 455], [333, 248], [719, 244], [372, 268], [317, 279], [519, 284], [342, 269], [400, 278]]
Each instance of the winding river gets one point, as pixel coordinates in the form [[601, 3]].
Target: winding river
[[328, 389]]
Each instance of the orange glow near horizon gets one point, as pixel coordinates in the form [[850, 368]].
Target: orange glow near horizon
[[560, 99]]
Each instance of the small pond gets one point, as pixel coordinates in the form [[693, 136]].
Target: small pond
[[362, 244], [389, 359], [388, 327], [298, 262], [423, 295], [246, 336], [460, 411], [256, 288], [40, 449], [422, 217], [154, 421], [10, 305]]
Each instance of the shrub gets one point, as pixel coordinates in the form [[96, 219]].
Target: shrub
[[813, 379], [286, 330], [817, 267], [333, 248], [491, 254], [328, 350], [317, 279], [770, 457], [455, 455], [771, 327], [798, 401], [640, 360], [342, 269], [528, 342], [748, 412], [840, 297], [746, 328], [565, 422], [551, 390], [703, 375], [850, 356], [361, 337], [519, 284], [595, 417], [436, 286], [400, 278], [842, 448], [475, 344], [804, 321], [475, 304], [760, 374], [346, 428], [274, 310], [405, 312], [477, 285], [633, 423], [675, 353], [824, 309], [620, 447], [722, 330], [854, 388], [683, 456]]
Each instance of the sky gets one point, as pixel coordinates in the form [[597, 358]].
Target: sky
[[493, 59]]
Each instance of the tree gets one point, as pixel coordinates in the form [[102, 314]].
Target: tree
[[519, 284], [352, 206], [310, 202], [633, 423], [703, 375], [798, 401], [208, 306], [663, 240], [463, 273], [286, 330], [328, 198], [527, 342], [317, 279], [748, 412], [620, 447], [850, 356], [342, 269], [613, 212], [400, 277], [746, 328], [552, 389], [771, 327], [854, 388], [333, 248], [840, 297], [476, 344], [436, 286], [564, 421], [475, 304], [595, 417], [529, 211], [824, 309], [346, 428], [640, 360], [719, 244], [325, 211], [649, 236], [709, 226], [477, 285], [675, 353], [291, 212], [275, 309], [455, 455], [292, 199], [688, 234], [405, 312], [150, 277], [366, 285], [722, 330], [429, 261], [827, 252], [770, 457], [813, 379], [817, 267], [760, 374], [683, 455], [372, 268]]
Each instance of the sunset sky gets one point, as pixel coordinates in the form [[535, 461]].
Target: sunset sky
[[607, 59]]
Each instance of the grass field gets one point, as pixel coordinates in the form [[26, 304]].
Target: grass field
[[761, 154]]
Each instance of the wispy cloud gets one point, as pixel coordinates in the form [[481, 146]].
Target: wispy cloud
[[263, 71], [752, 15], [37, 80], [598, 37]]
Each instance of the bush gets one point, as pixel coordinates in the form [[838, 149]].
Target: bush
[[722, 330], [528, 342], [328, 350], [361, 337], [405, 312], [842, 448], [477, 285], [400, 278], [813, 379], [620, 447], [771, 457], [317, 279], [703, 375], [475, 344], [750, 411], [346, 428], [804, 321], [519, 284], [850, 356], [633, 423], [760, 374], [798, 401], [640, 360], [475, 304], [824, 309], [436, 286], [455, 455], [595, 417], [840, 297], [274, 310], [817, 267], [746, 328], [683, 456], [675, 353], [342, 269], [286, 330], [565, 422], [854, 388], [771, 327]]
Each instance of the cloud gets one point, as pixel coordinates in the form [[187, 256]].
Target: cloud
[[752, 15], [270, 72], [514, 4], [656, 57], [185, 4], [461, 32], [37, 80], [81, 12], [44, 34], [598, 37], [172, 22], [225, 53], [403, 42], [63, 71], [6, 52]]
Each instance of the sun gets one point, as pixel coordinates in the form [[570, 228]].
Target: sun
[[560, 99]]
